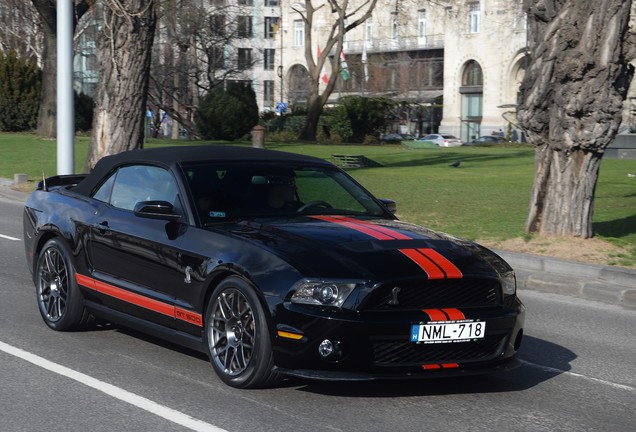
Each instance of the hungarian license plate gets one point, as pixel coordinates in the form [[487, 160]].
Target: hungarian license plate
[[448, 332]]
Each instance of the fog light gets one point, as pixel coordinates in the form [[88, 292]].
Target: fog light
[[325, 349], [331, 350]]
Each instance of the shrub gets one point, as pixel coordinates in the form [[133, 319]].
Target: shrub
[[20, 83], [227, 114], [83, 112]]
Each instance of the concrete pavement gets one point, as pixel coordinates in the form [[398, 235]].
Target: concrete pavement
[[607, 284]]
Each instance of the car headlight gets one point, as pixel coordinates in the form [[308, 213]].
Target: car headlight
[[503, 269], [322, 292], [508, 282]]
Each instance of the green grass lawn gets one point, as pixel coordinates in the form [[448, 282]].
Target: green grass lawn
[[486, 197]]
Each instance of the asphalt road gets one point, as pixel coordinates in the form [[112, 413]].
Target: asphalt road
[[578, 374]]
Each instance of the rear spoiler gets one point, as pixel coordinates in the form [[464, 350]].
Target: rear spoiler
[[60, 180]]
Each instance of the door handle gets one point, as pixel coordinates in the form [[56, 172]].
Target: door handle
[[102, 227]]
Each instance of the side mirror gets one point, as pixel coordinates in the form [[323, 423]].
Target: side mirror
[[156, 210], [389, 204]]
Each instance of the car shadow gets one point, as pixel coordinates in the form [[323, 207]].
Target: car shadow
[[540, 361]]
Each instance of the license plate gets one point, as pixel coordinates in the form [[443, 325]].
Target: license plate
[[450, 332]]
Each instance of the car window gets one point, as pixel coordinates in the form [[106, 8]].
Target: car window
[[136, 183], [245, 190], [429, 137], [449, 136]]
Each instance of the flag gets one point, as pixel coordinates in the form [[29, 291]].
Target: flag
[[344, 69], [323, 74]]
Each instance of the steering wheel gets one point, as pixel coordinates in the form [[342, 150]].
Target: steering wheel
[[316, 203]]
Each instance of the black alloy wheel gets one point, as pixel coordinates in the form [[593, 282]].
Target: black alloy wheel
[[237, 335], [59, 299]]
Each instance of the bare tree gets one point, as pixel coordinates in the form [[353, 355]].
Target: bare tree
[[125, 51], [344, 18], [19, 30], [573, 94], [190, 57]]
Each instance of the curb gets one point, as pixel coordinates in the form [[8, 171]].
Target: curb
[[607, 284]]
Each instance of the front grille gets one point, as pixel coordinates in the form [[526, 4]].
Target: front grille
[[409, 354], [433, 294]]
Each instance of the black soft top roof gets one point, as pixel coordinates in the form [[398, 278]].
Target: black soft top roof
[[180, 155]]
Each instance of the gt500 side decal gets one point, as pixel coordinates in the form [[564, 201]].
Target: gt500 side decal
[[139, 300]]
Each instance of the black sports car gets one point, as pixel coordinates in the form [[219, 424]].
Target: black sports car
[[271, 263]]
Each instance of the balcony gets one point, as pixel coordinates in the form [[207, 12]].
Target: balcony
[[411, 43]]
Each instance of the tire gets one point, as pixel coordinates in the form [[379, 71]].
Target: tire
[[59, 300], [237, 336]]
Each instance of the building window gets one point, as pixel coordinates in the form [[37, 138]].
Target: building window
[[216, 57], [244, 58], [394, 27], [268, 93], [217, 24], [271, 27], [473, 17], [369, 33], [244, 26], [271, 2], [473, 75], [421, 28], [246, 2], [472, 95], [268, 58], [299, 33]]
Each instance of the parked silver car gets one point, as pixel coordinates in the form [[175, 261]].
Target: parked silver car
[[443, 140]]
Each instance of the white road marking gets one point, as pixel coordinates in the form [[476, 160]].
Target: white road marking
[[9, 238], [116, 392], [597, 380]]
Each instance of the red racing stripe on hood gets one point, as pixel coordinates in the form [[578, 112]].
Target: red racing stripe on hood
[[376, 231], [432, 262], [444, 314]]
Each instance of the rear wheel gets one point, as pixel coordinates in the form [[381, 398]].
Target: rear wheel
[[59, 299], [237, 336]]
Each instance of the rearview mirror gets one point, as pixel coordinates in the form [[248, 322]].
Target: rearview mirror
[[389, 204], [156, 210]]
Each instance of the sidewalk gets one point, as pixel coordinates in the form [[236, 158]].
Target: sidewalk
[[606, 284]]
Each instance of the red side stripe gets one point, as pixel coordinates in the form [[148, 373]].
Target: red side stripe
[[448, 267], [139, 300], [435, 314], [431, 269]]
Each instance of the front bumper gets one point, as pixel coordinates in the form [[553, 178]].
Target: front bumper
[[377, 345]]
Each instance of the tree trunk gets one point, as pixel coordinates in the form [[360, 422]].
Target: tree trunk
[[125, 51], [573, 94], [563, 195], [47, 114], [310, 128]]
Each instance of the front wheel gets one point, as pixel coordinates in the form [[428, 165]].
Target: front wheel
[[59, 299], [237, 336]]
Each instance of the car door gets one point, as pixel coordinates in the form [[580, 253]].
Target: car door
[[135, 260]]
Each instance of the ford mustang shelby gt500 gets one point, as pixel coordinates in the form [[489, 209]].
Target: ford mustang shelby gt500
[[271, 263]]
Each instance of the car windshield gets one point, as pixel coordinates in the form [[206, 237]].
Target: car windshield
[[449, 137], [229, 191]]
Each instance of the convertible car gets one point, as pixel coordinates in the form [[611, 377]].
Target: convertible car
[[273, 264]]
